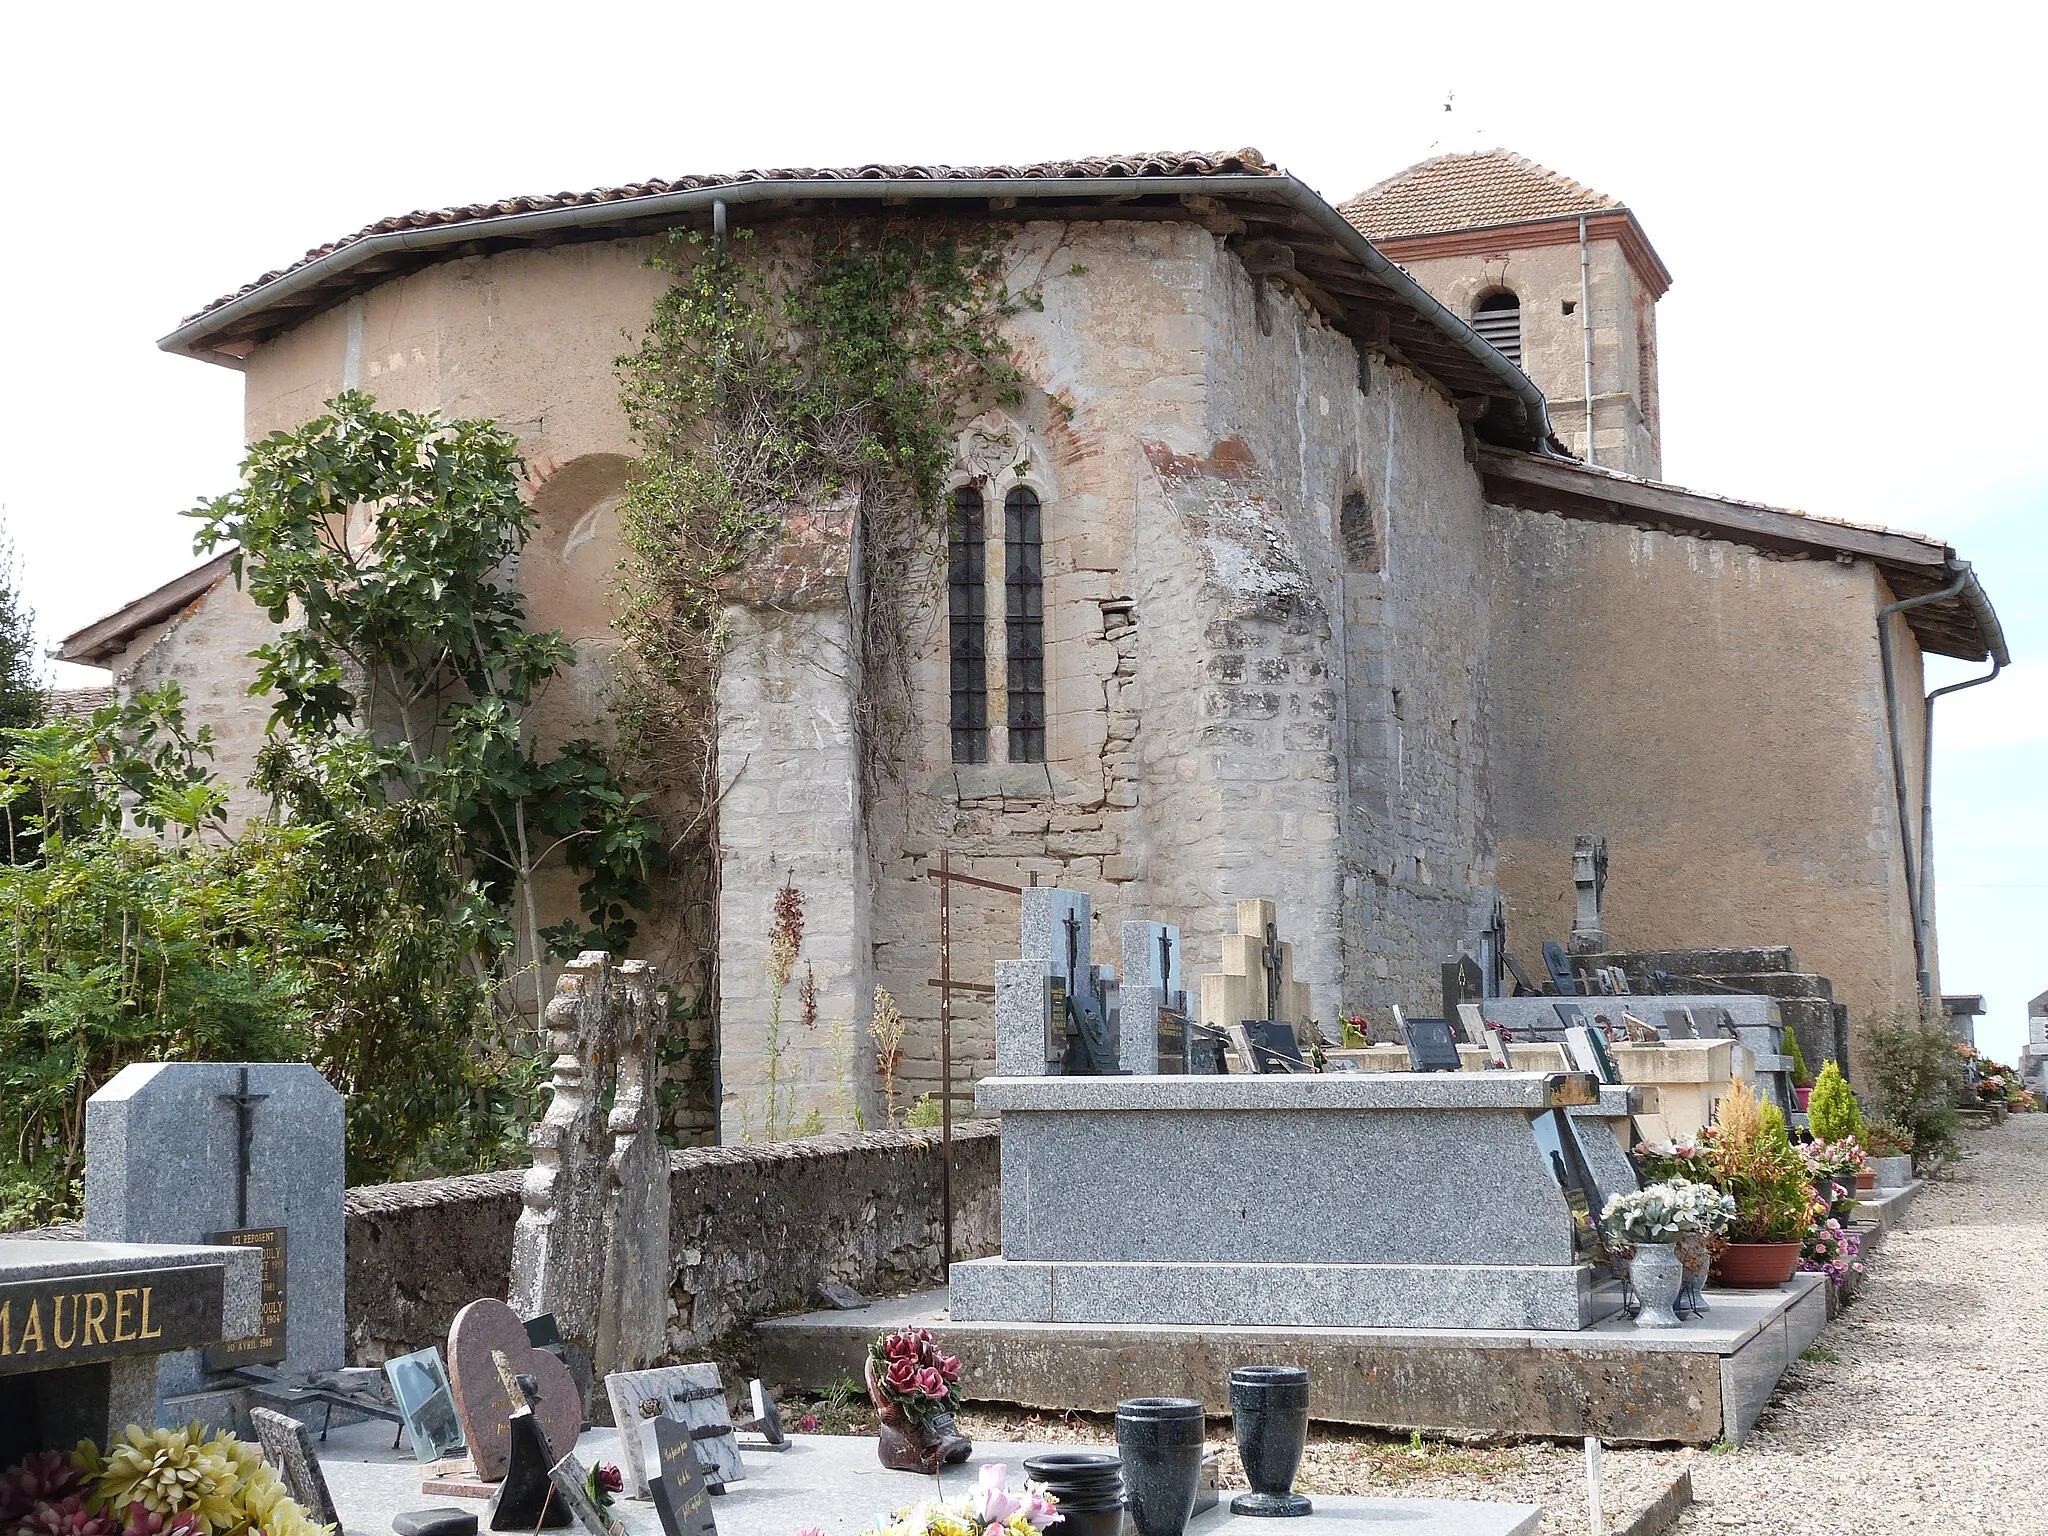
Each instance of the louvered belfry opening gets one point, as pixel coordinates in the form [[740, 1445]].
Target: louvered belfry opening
[[1024, 624], [967, 625], [1498, 319]]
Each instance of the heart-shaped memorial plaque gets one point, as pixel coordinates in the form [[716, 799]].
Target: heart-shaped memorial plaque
[[487, 1352]]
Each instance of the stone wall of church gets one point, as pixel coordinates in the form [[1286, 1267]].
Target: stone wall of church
[[1212, 663], [1718, 715]]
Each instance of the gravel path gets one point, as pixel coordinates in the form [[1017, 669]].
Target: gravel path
[[1923, 1408]]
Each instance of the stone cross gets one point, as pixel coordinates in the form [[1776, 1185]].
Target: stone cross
[[1589, 876], [1257, 979], [591, 1244]]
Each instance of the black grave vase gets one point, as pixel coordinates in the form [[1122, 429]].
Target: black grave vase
[[1269, 1409], [1089, 1487], [1161, 1442]]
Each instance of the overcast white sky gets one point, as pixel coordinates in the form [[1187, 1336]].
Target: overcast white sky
[[1851, 200]]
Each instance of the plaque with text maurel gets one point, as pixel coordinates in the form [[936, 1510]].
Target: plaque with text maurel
[[267, 1347], [64, 1320]]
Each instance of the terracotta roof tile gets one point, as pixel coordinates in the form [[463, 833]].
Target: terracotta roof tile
[[1474, 191], [1241, 162]]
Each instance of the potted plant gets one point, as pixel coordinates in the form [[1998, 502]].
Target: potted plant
[[1752, 1160], [1890, 1146], [1833, 1115], [911, 1383], [1802, 1075], [1836, 1168], [1831, 1249]]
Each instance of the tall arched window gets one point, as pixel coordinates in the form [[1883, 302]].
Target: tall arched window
[[967, 625], [1024, 624], [1498, 318]]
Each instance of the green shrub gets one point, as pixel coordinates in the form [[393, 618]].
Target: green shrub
[[1832, 1112], [1916, 1073], [1802, 1075], [924, 1114]]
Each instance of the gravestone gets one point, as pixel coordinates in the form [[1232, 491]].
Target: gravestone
[[680, 1495], [1056, 1010], [1151, 987], [1559, 965], [488, 1352], [1271, 1047], [1589, 880], [246, 1154], [419, 1386], [1463, 982], [690, 1395], [591, 1244], [1257, 979], [287, 1447], [1431, 1047]]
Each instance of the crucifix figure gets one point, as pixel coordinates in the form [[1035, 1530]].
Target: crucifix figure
[[1269, 957], [1073, 953], [245, 1104], [1171, 999]]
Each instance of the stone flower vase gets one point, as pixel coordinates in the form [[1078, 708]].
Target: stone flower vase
[[1695, 1254], [904, 1444], [1089, 1486], [1269, 1410], [1160, 1440], [1657, 1275]]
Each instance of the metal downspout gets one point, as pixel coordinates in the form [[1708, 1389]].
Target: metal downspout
[[1586, 330], [1998, 660], [1922, 976]]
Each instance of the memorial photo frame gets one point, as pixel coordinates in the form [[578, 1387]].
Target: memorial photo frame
[[419, 1386]]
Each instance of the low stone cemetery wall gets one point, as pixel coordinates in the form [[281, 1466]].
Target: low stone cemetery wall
[[754, 1231]]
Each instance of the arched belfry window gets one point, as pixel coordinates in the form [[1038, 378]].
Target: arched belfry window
[[1498, 318], [1024, 623], [967, 625]]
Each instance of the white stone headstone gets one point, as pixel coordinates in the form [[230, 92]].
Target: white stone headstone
[[162, 1160]]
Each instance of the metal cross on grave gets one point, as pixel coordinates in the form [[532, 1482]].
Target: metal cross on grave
[[245, 1104], [1270, 958]]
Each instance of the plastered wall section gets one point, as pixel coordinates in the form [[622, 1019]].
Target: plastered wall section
[[1718, 716], [1205, 714], [1546, 278]]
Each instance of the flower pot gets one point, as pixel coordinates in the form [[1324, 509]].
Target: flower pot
[[903, 1443], [1695, 1254], [1160, 1439], [1089, 1486], [1893, 1172], [1866, 1178], [1802, 1095], [1757, 1266], [1657, 1275], [1269, 1411]]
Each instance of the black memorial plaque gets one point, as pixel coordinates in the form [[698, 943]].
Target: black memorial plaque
[[267, 1347], [526, 1498], [1174, 1044], [1274, 1046], [680, 1495], [65, 1320], [1431, 1047]]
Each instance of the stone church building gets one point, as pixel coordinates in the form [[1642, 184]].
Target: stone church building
[[1337, 571]]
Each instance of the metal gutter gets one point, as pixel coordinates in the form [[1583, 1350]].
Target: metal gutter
[[189, 338]]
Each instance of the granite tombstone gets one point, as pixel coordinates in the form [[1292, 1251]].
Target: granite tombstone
[[245, 1154], [690, 1395], [287, 1447]]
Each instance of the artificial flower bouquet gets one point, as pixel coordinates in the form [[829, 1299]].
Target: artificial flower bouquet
[[1683, 1158], [1836, 1161], [1667, 1211], [911, 1373], [991, 1510], [151, 1482]]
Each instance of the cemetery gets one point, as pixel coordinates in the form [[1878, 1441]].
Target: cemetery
[[1182, 1202]]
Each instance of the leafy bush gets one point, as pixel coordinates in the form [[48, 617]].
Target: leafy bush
[[1832, 1111], [1802, 1075], [1916, 1073]]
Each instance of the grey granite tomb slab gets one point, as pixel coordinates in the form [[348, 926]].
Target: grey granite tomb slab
[[1046, 909], [160, 1161], [1020, 1016], [1563, 1297]]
